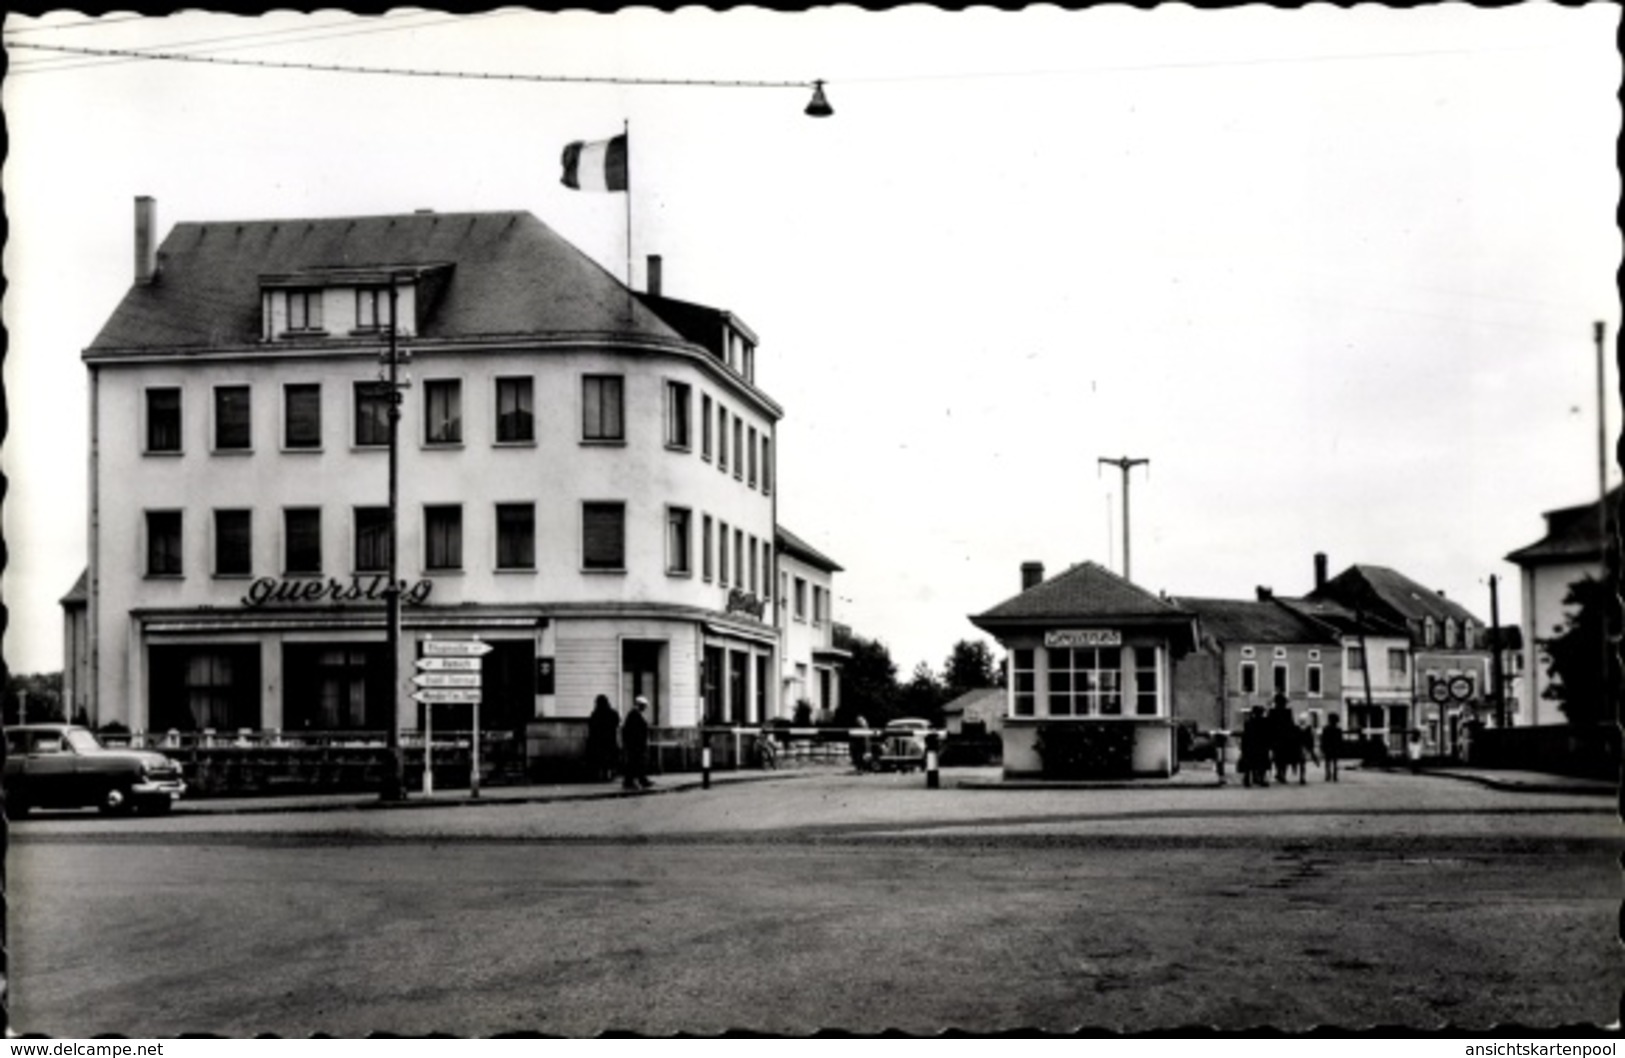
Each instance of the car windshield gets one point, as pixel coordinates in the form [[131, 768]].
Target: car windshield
[[80, 740]]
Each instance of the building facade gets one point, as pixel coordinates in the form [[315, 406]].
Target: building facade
[[586, 482], [1248, 652], [1571, 550], [1089, 674], [1445, 663], [812, 662]]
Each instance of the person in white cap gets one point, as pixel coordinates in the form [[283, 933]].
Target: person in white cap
[[635, 747]]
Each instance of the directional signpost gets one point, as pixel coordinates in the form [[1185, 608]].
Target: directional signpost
[[449, 674]]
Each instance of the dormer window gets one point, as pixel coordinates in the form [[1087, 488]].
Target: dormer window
[[1430, 632], [304, 310], [371, 308], [1450, 633]]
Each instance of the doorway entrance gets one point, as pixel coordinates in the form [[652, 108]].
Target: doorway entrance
[[640, 675]]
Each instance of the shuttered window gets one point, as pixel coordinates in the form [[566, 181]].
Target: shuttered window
[[302, 415], [302, 531], [231, 418], [603, 536], [233, 543]]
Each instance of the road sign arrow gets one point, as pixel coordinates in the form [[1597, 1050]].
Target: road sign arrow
[[449, 664], [446, 696], [447, 679], [454, 648]]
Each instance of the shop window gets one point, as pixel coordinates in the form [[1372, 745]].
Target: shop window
[[1146, 699], [1085, 681], [302, 533], [602, 408], [204, 688], [335, 687], [302, 415], [163, 543], [516, 536], [164, 420], [443, 537], [678, 408], [516, 422], [232, 427], [371, 539], [678, 559], [372, 404], [233, 543], [443, 411], [603, 537]]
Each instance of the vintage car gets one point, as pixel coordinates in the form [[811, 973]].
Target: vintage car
[[65, 766], [902, 745]]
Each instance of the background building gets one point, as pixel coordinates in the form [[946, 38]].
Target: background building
[[812, 662], [1571, 550]]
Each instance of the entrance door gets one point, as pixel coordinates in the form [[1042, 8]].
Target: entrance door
[[640, 674], [737, 681], [711, 678]]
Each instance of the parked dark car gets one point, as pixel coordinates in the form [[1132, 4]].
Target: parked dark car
[[65, 766], [902, 745]]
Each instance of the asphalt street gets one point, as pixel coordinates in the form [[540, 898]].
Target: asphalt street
[[827, 900]]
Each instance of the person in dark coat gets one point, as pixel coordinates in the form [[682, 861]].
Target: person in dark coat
[[1331, 747], [602, 727], [1306, 751], [635, 747], [1283, 738], [1255, 750]]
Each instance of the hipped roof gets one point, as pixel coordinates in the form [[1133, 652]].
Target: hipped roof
[[505, 274], [1573, 534], [1088, 592], [1250, 621]]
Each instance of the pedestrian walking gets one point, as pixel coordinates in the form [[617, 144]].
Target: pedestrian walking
[[1255, 750], [858, 744], [635, 747], [602, 725], [1306, 750], [1331, 747], [1413, 748], [1283, 737]]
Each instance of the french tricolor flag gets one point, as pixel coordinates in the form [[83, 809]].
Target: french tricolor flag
[[596, 166]]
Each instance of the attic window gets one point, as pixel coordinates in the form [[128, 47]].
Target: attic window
[[371, 308], [303, 311]]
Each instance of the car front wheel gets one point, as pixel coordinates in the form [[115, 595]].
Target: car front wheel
[[116, 801]]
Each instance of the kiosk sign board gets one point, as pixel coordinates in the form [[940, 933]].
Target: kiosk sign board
[[1083, 637]]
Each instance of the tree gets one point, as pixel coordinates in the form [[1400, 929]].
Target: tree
[[868, 681], [969, 667], [39, 696], [923, 695], [1576, 654]]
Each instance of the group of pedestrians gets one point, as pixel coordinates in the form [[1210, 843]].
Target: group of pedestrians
[[617, 746], [1274, 740]]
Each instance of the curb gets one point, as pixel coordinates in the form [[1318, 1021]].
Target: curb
[[373, 803], [1510, 786]]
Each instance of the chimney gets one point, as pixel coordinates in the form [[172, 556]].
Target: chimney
[[1032, 574], [654, 274], [1265, 593], [1320, 570], [146, 249]]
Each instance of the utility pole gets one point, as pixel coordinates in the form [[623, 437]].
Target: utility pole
[[394, 780], [1495, 656], [1125, 464]]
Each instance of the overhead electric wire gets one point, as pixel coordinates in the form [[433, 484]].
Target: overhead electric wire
[[89, 23], [343, 29], [398, 71]]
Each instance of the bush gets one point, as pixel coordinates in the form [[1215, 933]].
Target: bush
[[1085, 750]]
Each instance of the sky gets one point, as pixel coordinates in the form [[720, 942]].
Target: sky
[[1333, 272]]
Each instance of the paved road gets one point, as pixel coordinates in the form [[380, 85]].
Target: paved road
[[830, 901]]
